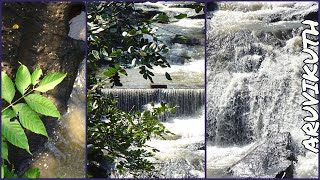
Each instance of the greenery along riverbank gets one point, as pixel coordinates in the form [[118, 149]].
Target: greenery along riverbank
[[117, 39]]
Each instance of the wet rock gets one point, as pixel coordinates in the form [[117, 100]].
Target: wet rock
[[195, 147], [178, 168], [41, 41], [287, 173], [100, 165], [185, 40], [198, 16], [212, 6], [266, 160], [311, 16]]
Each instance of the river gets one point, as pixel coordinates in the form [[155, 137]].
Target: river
[[254, 90]]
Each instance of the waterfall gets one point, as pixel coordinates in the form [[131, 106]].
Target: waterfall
[[181, 155], [254, 74], [189, 101]]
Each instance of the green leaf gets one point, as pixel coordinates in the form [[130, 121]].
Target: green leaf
[[7, 173], [29, 119], [132, 32], [114, 54], [168, 76], [2, 171], [23, 79], [122, 71], [165, 50], [4, 150], [42, 105], [9, 113], [35, 76], [95, 53], [8, 91], [173, 111], [143, 53], [145, 30], [104, 52], [130, 49], [50, 81], [108, 73], [181, 16], [161, 18], [144, 48], [32, 173], [14, 133]]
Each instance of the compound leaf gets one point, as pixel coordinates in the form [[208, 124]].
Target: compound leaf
[[9, 113], [29, 119], [23, 79], [14, 133], [36, 75], [4, 150], [8, 91], [42, 105], [50, 81]]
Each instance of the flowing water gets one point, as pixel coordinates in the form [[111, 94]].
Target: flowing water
[[65, 152], [181, 155], [186, 60], [254, 90], [188, 101]]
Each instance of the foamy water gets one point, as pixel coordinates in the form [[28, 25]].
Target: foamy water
[[187, 61], [184, 151], [254, 76]]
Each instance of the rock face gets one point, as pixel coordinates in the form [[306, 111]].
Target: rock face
[[270, 159], [41, 41]]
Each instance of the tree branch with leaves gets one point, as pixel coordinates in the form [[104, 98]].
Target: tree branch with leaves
[[24, 113]]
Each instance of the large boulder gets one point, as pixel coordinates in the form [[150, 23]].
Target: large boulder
[[41, 41], [270, 159]]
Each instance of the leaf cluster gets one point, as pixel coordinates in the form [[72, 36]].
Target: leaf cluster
[[24, 113], [121, 136], [120, 38]]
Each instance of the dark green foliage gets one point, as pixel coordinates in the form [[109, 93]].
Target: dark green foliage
[[115, 134], [116, 38], [116, 139]]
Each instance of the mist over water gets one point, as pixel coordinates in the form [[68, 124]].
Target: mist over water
[[254, 89]]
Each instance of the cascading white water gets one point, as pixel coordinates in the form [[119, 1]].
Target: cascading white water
[[254, 88], [188, 101], [181, 155]]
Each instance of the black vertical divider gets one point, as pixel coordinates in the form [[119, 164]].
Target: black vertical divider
[[87, 85], [205, 89], [1, 83], [318, 97]]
